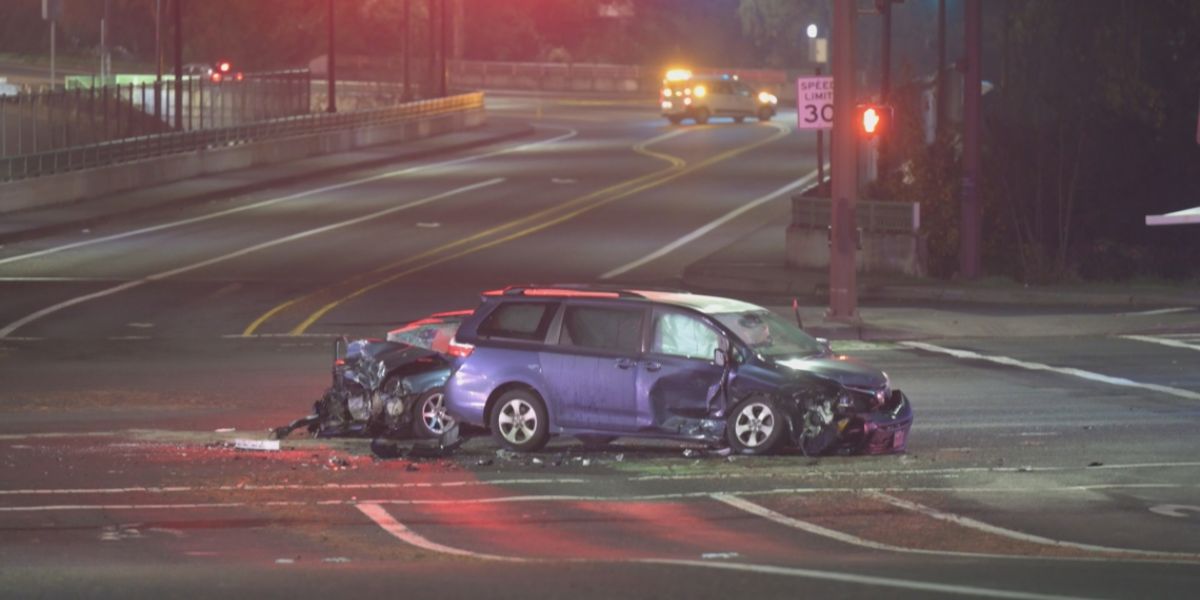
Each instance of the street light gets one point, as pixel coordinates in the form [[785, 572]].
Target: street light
[[811, 31]]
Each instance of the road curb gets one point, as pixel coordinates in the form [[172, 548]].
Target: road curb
[[47, 229]]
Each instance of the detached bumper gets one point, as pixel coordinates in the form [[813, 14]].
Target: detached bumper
[[884, 431]]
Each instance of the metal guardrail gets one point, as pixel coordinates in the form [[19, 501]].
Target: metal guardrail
[[889, 217], [150, 146]]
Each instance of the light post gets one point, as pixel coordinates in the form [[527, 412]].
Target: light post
[[332, 105]]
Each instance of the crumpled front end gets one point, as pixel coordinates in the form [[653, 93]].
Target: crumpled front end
[[850, 421]]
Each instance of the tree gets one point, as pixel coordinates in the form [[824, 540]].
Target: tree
[[777, 26]]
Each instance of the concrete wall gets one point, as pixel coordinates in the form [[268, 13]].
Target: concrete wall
[[890, 239], [77, 185]]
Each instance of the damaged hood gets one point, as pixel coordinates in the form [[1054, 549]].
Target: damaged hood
[[846, 371], [391, 354]]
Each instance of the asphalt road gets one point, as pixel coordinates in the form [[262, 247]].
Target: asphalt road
[[1054, 453]]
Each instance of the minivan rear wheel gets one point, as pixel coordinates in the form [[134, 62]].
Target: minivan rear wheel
[[755, 426], [519, 421]]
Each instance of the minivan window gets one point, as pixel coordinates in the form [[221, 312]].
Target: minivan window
[[679, 334], [602, 328], [518, 320], [769, 335]]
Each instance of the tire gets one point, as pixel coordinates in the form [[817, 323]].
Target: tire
[[764, 114], [429, 415], [754, 426], [675, 119], [595, 442], [701, 116], [739, 119], [519, 421]]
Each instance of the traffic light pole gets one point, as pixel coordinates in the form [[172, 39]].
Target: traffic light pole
[[178, 65], [970, 232], [843, 292]]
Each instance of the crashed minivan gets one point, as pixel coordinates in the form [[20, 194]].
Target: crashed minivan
[[598, 363], [388, 388]]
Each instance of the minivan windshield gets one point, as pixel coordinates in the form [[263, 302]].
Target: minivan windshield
[[769, 335]]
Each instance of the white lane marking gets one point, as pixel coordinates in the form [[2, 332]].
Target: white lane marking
[[239, 336], [675, 245], [380, 517], [1175, 510], [1174, 343], [1161, 311], [1016, 535], [1080, 373], [584, 498], [867, 580], [311, 192], [854, 540], [52, 279], [15, 325], [946, 471], [333, 487]]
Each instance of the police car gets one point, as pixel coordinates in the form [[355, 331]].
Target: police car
[[701, 97]]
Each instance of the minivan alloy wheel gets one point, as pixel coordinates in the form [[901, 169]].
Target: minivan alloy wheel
[[518, 421], [754, 424]]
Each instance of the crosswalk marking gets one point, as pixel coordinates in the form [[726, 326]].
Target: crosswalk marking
[[1190, 341]]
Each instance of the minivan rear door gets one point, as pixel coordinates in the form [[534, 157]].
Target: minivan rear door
[[679, 381], [591, 371]]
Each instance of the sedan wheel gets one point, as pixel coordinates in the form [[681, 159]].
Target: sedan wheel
[[519, 421], [754, 426], [431, 419]]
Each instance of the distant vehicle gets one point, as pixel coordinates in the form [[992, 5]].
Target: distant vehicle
[[701, 97], [598, 363], [217, 72]]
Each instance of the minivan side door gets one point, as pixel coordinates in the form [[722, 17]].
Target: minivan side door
[[590, 367], [679, 377]]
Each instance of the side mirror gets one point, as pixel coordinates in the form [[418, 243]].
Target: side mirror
[[720, 357], [824, 342]]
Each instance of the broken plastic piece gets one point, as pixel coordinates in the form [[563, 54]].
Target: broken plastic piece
[[267, 445]]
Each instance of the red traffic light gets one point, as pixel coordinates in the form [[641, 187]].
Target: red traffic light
[[873, 119], [224, 66]]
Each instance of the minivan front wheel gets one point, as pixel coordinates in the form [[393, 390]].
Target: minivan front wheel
[[519, 421], [755, 426]]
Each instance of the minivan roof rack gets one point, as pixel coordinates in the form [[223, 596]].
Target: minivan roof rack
[[563, 290]]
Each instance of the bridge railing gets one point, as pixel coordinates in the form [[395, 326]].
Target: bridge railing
[[157, 140]]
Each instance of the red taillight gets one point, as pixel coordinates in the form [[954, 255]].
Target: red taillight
[[224, 66], [460, 349], [216, 77], [339, 362], [239, 76]]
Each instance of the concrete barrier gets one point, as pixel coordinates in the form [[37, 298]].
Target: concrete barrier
[[77, 185], [889, 236]]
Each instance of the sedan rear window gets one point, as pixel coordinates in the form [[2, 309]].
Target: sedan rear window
[[518, 320]]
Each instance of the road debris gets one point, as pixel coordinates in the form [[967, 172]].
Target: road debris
[[264, 445]]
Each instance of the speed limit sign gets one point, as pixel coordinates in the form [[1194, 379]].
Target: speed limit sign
[[815, 96]]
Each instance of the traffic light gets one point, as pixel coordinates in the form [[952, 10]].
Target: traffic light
[[873, 119]]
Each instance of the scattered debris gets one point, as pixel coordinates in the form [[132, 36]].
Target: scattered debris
[[1024, 469], [336, 559], [718, 555], [620, 457], [225, 430], [691, 453], [484, 462], [412, 467], [284, 561], [428, 225], [266, 445], [587, 462], [1095, 463], [506, 454], [386, 449], [537, 461], [337, 463]]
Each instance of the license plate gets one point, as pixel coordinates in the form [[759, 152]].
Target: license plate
[[898, 439]]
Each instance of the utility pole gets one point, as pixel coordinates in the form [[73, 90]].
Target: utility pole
[[407, 49], [445, 38], [179, 65], [158, 61], [843, 292], [969, 263], [105, 64], [940, 93], [332, 105]]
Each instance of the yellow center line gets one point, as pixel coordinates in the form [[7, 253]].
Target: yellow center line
[[641, 148], [671, 175]]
